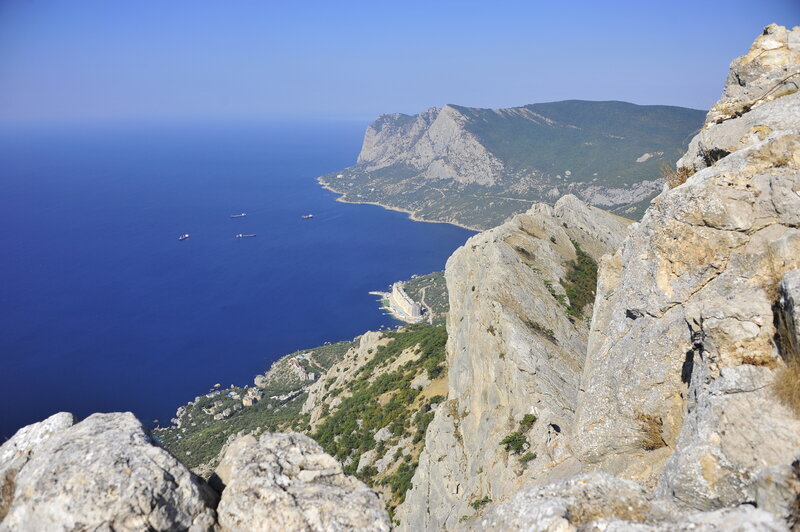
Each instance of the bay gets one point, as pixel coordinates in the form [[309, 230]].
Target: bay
[[103, 309]]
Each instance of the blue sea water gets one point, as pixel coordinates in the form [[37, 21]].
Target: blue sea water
[[103, 309]]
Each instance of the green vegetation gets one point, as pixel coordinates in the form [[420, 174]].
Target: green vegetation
[[477, 504], [541, 330], [515, 443], [204, 436], [581, 282], [527, 421], [569, 145], [527, 457], [378, 396], [608, 139], [561, 298], [200, 437], [387, 400]]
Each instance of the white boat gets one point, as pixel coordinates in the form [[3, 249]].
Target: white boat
[[242, 235], [307, 216], [183, 237], [240, 215]]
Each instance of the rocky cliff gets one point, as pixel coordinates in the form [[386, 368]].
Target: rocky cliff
[[476, 167], [669, 406], [516, 348], [106, 473]]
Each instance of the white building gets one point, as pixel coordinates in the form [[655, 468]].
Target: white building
[[405, 303]]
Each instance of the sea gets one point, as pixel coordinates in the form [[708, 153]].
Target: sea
[[103, 309]]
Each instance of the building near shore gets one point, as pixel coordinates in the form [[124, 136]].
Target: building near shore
[[404, 303]]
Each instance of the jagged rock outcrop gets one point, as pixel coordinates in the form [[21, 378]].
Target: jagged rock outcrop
[[512, 350], [685, 307], [760, 96], [601, 502], [103, 473], [16, 452], [284, 482], [769, 70], [435, 143]]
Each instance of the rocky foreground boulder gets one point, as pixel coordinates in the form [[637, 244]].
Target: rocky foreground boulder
[[106, 473], [286, 482], [102, 473]]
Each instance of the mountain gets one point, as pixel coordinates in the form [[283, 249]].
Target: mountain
[[476, 167]]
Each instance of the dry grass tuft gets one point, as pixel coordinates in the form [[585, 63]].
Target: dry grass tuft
[[755, 361], [6, 492], [675, 177], [787, 381], [651, 428], [787, 385], [625, 509]]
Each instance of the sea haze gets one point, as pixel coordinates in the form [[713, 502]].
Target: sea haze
[[103, 309]]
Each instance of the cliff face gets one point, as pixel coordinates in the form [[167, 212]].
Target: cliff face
[[690, 313], [674, 384], [434, 143], [513, 350], [476, 167]]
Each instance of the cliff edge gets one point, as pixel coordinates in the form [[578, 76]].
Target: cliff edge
[[666, 411]]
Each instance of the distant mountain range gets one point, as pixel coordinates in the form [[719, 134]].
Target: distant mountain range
[[476, 167]]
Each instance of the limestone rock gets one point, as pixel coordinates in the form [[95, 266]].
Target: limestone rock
[[769, 70], [746, 113], [512, 350], [743, 518], [103, 473], [435, 142], [676, 390], [420, 381], [286, 482], [567, 505], [16, 452], [600, 502]]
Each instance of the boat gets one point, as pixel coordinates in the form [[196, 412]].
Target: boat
[[242, 235], [307, 216], [240, 215], [183, 237]]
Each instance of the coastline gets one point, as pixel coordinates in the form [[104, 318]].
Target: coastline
[[411, 214]]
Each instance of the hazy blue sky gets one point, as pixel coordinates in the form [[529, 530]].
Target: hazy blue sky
[[108, 59]]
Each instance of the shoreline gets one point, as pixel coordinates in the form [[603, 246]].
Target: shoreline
[[411, 214]]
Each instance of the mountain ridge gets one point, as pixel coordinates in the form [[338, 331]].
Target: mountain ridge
[[476, 167]]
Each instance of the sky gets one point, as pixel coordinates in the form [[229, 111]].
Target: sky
[[114, 60]]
